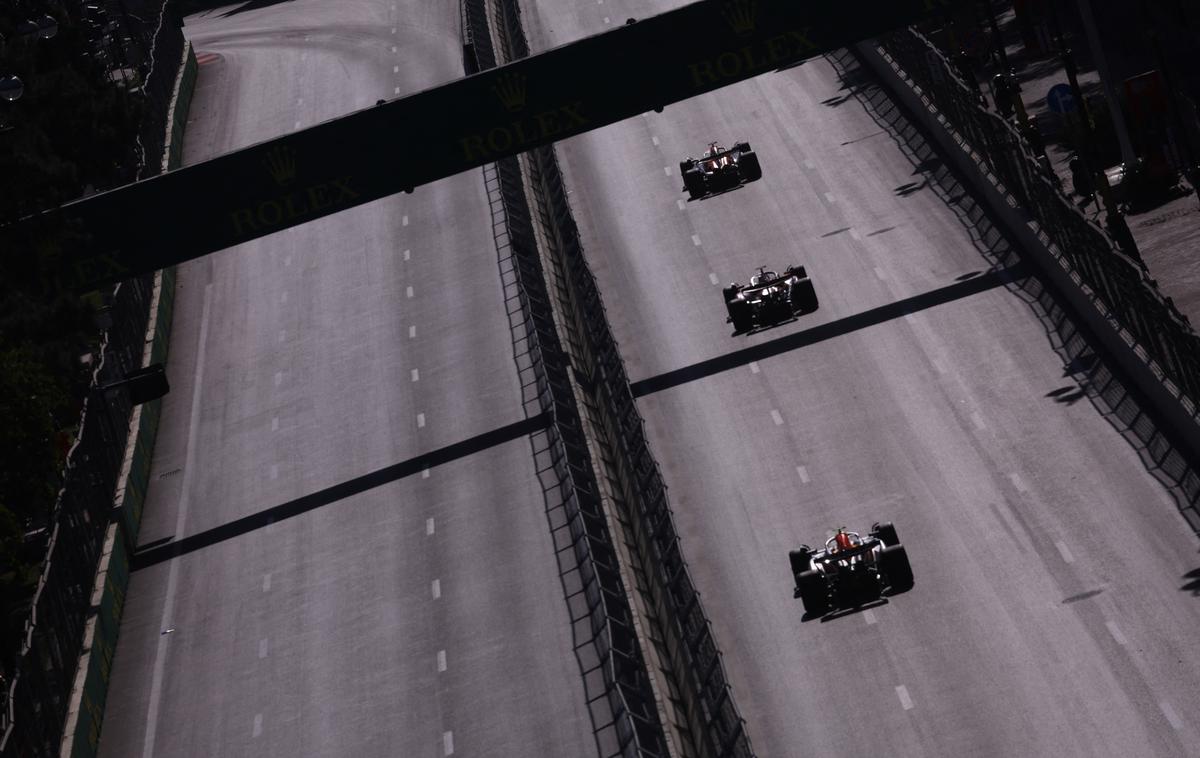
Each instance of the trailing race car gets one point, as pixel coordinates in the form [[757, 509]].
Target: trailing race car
[[719, 169], [850, 570], [770, 298]]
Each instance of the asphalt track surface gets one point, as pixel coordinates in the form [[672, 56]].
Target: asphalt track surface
[[1051, 613], [423, 616]]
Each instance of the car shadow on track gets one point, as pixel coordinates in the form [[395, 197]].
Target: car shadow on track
[[844, 612], [718, 193]]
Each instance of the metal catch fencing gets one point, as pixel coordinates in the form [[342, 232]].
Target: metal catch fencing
[[1120, 286]]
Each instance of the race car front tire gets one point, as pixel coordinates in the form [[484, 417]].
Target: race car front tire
[[886, 532], [749, 166], [693, 182], [804, 296], [893, 561]]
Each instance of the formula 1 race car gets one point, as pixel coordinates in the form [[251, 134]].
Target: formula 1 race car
[[769, 298], [850, 570], [719, 169]]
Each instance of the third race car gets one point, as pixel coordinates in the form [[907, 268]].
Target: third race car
[[719, 169], [769, 298], [850, 570]]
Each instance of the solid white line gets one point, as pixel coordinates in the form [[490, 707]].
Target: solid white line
[[429, 527], [404, 220], [408, 255], [441, 660], [696, 240], [160, 658], [1115, 631], [777, 418], [278, 378], [869, 617], [408, 291], [274, 470], [266, 582], [1064, 552], [435, 588], [262, 648], [829, 197], [1018, 482], [412, 332], [713, 278], [1172, 717], [754, 367], [283, 297], [654, 140], [905, 701], [448, 743], [420, 420], [667, 170], [978, 421], [803, 472], [879, 273], [416, 375], [257, 724], [681, 203], [275, 424], [425, 473]]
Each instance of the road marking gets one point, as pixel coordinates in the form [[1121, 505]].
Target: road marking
[[278, 378], [425, 473], [412, 332], [667, 170], [408, 255], [441, 660], [262, 648], [274, 470], [754, 369], [448, 743], [1172, 717], [275, 424], [404, 221], [429, 527], [393, 48], [420, 420], [830, 198], [713, 278], [869, 617], [696, 240], [1064, 552], [977, 420], [395, 69], [435, 588], [283, 297], [393, 30], [257, 725], [776, 417], [681, 203], [654, 140], [408, 291], [606, 20], [905, 701], [1115, 631], [416, 375], [1018, 482], [910, 318], [395, 90], [803, 472], [879, 273], [808, 164], [282, 334], [266, 582]]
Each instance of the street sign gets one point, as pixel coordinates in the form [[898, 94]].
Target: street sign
[[1060, 99], [402, 144]]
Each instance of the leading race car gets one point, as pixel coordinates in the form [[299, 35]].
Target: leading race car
[[769, 298], [850, 570], [719, 169]]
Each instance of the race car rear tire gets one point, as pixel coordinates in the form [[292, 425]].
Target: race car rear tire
[[893, 561], [749, 167], [800, 561], [741, 314], [804, 296], [693, 182], [811, 587], [886, 532]]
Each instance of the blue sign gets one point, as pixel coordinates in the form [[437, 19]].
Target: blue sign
[[1060, 99]]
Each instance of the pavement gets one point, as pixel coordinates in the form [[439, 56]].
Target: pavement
[[425, 616], [1055, 602]]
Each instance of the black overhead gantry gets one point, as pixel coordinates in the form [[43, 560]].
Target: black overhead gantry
[[396, 146]]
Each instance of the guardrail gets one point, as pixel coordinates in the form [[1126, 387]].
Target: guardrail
[[682, 634], [1113, 293]]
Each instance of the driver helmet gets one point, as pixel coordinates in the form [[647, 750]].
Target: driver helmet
[[843, 540]]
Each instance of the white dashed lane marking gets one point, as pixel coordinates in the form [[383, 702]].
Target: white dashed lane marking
[[408, 255], [412, 332], [879, 273], [754, 369], [395, 90], [435, 588], [416, 375], [441, 658], [869, 617], [606, 20], [404, 220], [408, 291], [266, 582], [1018, 482], [937, 365], [808, 164], [803, 472], [420, 420], [855, 235], [296, 126], [429, 527], [905, 701], [654, 140], [393, 30], [681, 203], [448, 743], [667, 170], [425, 473], [1115, 631], [395, 69], [713, 278], [393, 48], [777, 418], [1172, 717], [696, 240], [1064, 552], [262, 648], [257, 725]]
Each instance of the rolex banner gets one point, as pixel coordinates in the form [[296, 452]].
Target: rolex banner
[[399, 145]]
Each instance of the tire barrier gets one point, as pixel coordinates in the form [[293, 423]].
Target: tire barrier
[[1113, 294], [704, 718]]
